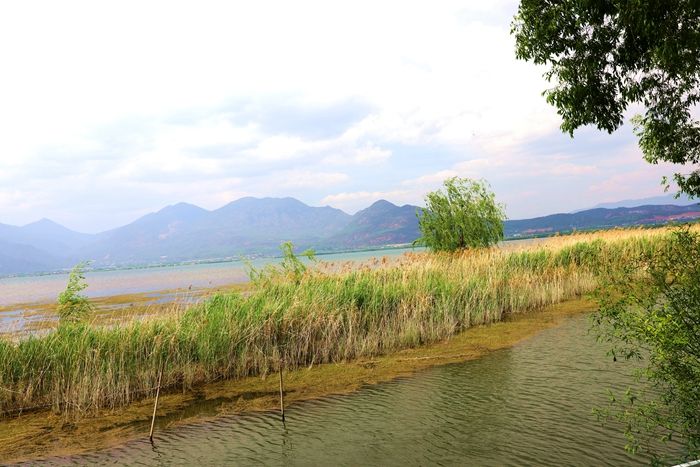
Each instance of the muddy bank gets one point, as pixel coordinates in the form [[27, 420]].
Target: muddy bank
[[21, 319]]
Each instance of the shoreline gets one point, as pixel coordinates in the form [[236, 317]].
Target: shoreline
[[38, 317], [42, 434], [213, 261]]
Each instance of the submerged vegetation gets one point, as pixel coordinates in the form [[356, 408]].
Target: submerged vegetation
[[292, 268]]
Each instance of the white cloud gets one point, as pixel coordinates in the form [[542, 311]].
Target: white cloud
[[354, 201], [572, 169], [201, 54], [346, 152], [101, 98], [371, 154], [472, 168], [307, 178], [279, 147], [432, 179]]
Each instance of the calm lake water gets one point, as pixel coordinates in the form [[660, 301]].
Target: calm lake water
[[528, 405]]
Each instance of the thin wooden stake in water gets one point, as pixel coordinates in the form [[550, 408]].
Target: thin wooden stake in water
[[281, 392], [155, 406]]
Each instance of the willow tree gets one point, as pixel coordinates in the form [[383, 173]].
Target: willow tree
[[73, 306], [464, 214]]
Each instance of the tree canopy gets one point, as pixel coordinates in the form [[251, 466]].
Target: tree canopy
[[462, 215], [605, 55]]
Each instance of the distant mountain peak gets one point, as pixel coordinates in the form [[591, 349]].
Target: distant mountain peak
[[250, 201], [46, 226], [182, 207], [382, 203], [378, 207], [43, 222], [253, 204], [183, 204]]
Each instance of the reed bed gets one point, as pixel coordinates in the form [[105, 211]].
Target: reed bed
[[315, 318]]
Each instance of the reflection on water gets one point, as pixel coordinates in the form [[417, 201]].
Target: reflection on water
[[529, 405]]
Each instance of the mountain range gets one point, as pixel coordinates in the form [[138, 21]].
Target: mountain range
[[681, 200], [256, 227]]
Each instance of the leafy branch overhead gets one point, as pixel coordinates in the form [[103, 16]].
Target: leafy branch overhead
[[604, 56]]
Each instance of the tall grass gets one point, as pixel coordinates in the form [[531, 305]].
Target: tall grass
[[318, 317]]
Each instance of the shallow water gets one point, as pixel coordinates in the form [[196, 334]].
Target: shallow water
[[45, 288], [22, 298], [528, 405]]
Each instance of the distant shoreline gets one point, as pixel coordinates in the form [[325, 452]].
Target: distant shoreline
[[195, 262]]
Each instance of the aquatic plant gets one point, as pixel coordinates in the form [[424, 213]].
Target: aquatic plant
[[292, 267]]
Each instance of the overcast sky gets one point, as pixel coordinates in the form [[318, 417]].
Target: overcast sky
[[111, 110]]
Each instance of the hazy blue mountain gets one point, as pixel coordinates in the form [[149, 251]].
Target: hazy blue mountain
[[278, 218], [256, 226], [145, 240], [383, 223], [17, 258], [601, 218], [45, 235], [669, 199], [245, 226]]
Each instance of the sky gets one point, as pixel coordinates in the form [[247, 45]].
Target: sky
[[111, 110]]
